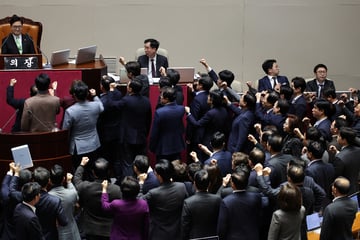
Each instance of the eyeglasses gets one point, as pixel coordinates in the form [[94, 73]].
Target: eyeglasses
[[17, 26]]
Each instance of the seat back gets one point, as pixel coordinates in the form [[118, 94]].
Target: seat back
[[160, 51], [34, 29]]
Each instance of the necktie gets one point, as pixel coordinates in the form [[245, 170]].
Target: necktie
[[273, 82], [153, 71], [18, 44], [321, 90]]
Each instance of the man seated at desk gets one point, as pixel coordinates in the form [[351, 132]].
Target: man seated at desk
[[16, 42]]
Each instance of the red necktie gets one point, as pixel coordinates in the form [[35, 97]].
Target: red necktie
[[153, 71]]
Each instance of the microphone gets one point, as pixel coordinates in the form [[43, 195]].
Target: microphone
[[47, 65], [9, 120], [41, 122], [4, 42]]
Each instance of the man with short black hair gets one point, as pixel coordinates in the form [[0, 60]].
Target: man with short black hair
[[272, 80], [338, 216], [320, 82], [200, 211]]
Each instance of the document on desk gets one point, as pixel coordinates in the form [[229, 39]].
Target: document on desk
[[22, 156]]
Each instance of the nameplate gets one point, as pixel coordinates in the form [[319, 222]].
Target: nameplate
[[21, 62]]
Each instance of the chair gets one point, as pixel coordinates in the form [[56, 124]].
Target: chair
[[34, 29], [160, 51]]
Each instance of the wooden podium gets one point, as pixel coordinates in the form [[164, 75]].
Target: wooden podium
[[22, 61], [46, 148]]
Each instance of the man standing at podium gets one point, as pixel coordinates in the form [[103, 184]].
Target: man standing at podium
[[16, 42], [39, 114]]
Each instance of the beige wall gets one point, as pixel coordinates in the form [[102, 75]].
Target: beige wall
[[233, 34]]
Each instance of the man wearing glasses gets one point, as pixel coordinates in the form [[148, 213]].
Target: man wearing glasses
[[16, 42]]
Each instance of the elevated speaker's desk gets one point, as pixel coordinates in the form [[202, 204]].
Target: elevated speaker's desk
[[63, 74]]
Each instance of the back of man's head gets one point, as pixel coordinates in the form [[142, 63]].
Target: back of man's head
[[130, 188], [101, 167], [227, 76], [42, 176], [135, 85], [106, 81], [275, 142], [168, 93], [296, 174], [342, 185], [30, 190], [240, 179], [316, 149], [25, 176], [201, 180], [192, 168], [348, 134], [206, 83], [257, 156], [141, 162], [173, 75], [299, 82], [216, 97], [218, 140], [57, 174], [133, 68], [81, 90], [42, 82], [165, 170]]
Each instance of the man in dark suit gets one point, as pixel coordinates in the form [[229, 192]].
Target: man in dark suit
[[323, 173], [273, 80], [26, 222], [240, 212], [135, 124], [200, 211], [16, 42], [346, 161], [95, 223], [320, 83], [278, 161], [146, 177], [298, 101], [322, 113], [166, 138], [108, 126], [151, 60], [49, 209], [339, 215], [198, 107], [165, 203]]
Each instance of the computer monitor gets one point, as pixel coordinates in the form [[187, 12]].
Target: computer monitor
[[86, 54], [60, 57]]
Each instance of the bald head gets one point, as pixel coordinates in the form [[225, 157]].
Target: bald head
[[342, 186]]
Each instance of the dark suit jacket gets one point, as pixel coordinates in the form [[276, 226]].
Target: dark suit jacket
[[94, 221], [135, 118], [240, 216], [167, 131], [50, 213], [165, 204], [27, 223], [214, 120], [324, 128], [108, 124], [17, 104], [278, 165], [161, 61], [323, 174], [200, 215], [240, 129], [311, 86], [150, 182], [264, 83], [338, 218], [298, 107], [223, 161], [347, 165], [10, 46], [269, 118]]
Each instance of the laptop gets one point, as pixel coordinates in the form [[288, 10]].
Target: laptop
[[354, 197], [60, 57], [313, 221], [86, 54], [123, 74], [186, 74], [206, 238]]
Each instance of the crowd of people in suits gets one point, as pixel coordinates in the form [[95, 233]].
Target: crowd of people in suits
[[258, 161]]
